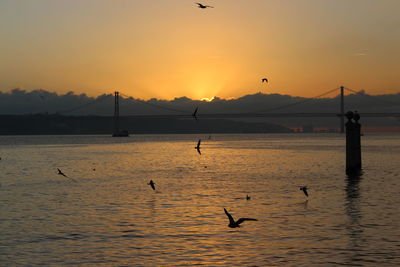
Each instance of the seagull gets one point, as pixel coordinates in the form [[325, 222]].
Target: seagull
[[198, 146], [195, 113], [356, 116], [61, 173], [151, 183], [233, 224], [264, 80], [203, 6], [304, 188], [247, 197]]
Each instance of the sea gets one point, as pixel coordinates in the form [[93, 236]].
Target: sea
[[104, 213]]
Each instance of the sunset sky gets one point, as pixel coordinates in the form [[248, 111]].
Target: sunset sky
[[170, 48]]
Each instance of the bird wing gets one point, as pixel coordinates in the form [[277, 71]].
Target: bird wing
[[245, 219], [305, 191], [198, 150], [152, 186], [231, 220], [195, 112], [198, 143]]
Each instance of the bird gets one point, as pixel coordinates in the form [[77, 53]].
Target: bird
[[61, 173], [247, 197], [195, 113], [304, 189], [356, 116], [233, 224], [203, 6], [151, 183], [264, 80], [198, 146]]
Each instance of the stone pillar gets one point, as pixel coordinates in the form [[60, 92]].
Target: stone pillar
[[353, 143]]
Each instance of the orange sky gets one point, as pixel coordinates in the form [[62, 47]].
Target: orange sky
[[171, 48]]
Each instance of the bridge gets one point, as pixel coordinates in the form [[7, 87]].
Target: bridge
[[267, 113]]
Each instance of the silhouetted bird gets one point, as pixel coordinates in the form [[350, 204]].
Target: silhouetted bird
[[356, 116], [61, 173], [304, 189], [151, 183], [264, 80], [94, 169], [233, 224], [195, 113], [247, 197], [203, 6], [198, 146]]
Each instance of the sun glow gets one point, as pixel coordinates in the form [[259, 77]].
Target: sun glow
[[208, 99]]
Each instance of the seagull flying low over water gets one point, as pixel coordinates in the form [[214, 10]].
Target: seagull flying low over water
[[61, 173], [151, 183], [304, 189], [198, 146], [195, 113], [264, 80], [203, 6], [233, 224]]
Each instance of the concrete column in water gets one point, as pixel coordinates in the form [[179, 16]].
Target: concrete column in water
[[353, 143]]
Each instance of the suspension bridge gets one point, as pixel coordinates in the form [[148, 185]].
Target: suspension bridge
[[267, 113]]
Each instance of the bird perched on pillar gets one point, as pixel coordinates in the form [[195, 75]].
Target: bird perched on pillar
[[356, 116]]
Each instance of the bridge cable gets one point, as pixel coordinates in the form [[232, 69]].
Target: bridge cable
[[156, 105], [297, 103], [97, 100], [374, 97]]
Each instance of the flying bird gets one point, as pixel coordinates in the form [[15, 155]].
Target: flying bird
[[203, 6], [233, 224], [61, 173], [264, 80], [247, 197], [198, 146], [304, 189], [151, 183], [195, 113]]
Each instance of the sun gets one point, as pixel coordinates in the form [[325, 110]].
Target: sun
[[208, 99]]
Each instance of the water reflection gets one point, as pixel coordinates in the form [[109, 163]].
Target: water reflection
[[353, 211]]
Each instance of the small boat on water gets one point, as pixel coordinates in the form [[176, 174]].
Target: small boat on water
[[123, 133]]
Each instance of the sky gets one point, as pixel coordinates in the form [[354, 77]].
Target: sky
[[170, 48]]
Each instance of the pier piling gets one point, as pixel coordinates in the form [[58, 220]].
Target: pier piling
[[353, 143]]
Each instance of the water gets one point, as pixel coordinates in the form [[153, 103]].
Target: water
[[111, 217]]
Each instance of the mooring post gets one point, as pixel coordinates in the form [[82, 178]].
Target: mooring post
[[353, 143], [116, 113], [342, 109]]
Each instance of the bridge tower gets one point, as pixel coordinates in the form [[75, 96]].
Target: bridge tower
[[342, 109], [117, 132]]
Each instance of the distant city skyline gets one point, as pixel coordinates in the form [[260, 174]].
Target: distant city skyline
[[173, 48]]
